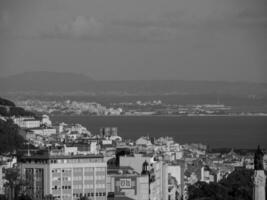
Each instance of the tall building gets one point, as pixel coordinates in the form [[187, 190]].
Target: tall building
[[27, 122], [153, 168], [65, 175], [108, 131], [1, 179], [259, 176], [173, 180], [124, 180], [265, 161]]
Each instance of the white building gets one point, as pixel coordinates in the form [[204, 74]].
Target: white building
[[43, 131], [125, 180], [27, 122], [173, 181], [2, 191], [65, 176], [46, 121], [207, 175], [143, 141], [265, 161]]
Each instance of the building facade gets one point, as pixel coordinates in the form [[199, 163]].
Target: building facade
[[65, 176], [129, 183]]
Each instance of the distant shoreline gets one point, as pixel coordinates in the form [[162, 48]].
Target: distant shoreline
[[222, 131], [237, 115]]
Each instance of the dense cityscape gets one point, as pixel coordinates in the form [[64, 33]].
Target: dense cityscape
[[133, 100], [41, 159]]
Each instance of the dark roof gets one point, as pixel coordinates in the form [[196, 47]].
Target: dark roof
[[119, 198], [49, 157], [126, 170]]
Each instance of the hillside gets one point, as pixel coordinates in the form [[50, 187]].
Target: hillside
[[44, 81], [5, 102], [9, 136], [62, 83], [8, 108]]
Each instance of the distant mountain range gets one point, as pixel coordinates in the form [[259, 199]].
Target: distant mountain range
[[43, 81], [54, 82]]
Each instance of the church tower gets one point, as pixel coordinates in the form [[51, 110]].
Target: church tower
[[259, 176]]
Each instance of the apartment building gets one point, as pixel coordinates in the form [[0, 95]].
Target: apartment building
[[66, 176]]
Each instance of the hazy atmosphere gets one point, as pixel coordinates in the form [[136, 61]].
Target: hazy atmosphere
[[133, 99], [136, 39]]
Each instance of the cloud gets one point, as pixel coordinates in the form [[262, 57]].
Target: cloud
[[4, 18], [89, 28], [195, 16], [80, 27]]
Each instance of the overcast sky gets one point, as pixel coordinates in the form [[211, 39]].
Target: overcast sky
[[136, 39]]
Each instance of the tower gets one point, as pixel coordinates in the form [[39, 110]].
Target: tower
[[145, 168], [259, 176]]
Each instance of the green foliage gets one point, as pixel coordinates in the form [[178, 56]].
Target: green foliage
[[4, 111], [5, 102], [2, 197], [14, 111], [15, 184], [18, 111], [24, 197], [9, 137], [8, 108], [237, 186]]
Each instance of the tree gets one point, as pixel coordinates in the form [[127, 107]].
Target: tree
[[2, 197], [5, 102], [10, 138], [15, 184], [24, 197], [237, 186]]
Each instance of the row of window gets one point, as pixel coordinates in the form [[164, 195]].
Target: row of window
[[86, 186], [90, 194], [66, 178], [78, 178], [65, 187], [82, 160], [100, 177], [90, 186], [79, 170]]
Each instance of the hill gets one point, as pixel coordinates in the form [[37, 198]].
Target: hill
[[44, 81], [5, 102], [61, 83]]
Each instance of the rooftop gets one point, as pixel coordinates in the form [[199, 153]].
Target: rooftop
[[57, 154]]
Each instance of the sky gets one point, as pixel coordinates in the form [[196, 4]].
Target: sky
[[224, 40]]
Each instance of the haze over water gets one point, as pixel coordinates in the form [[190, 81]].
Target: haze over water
[[221, 131]]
